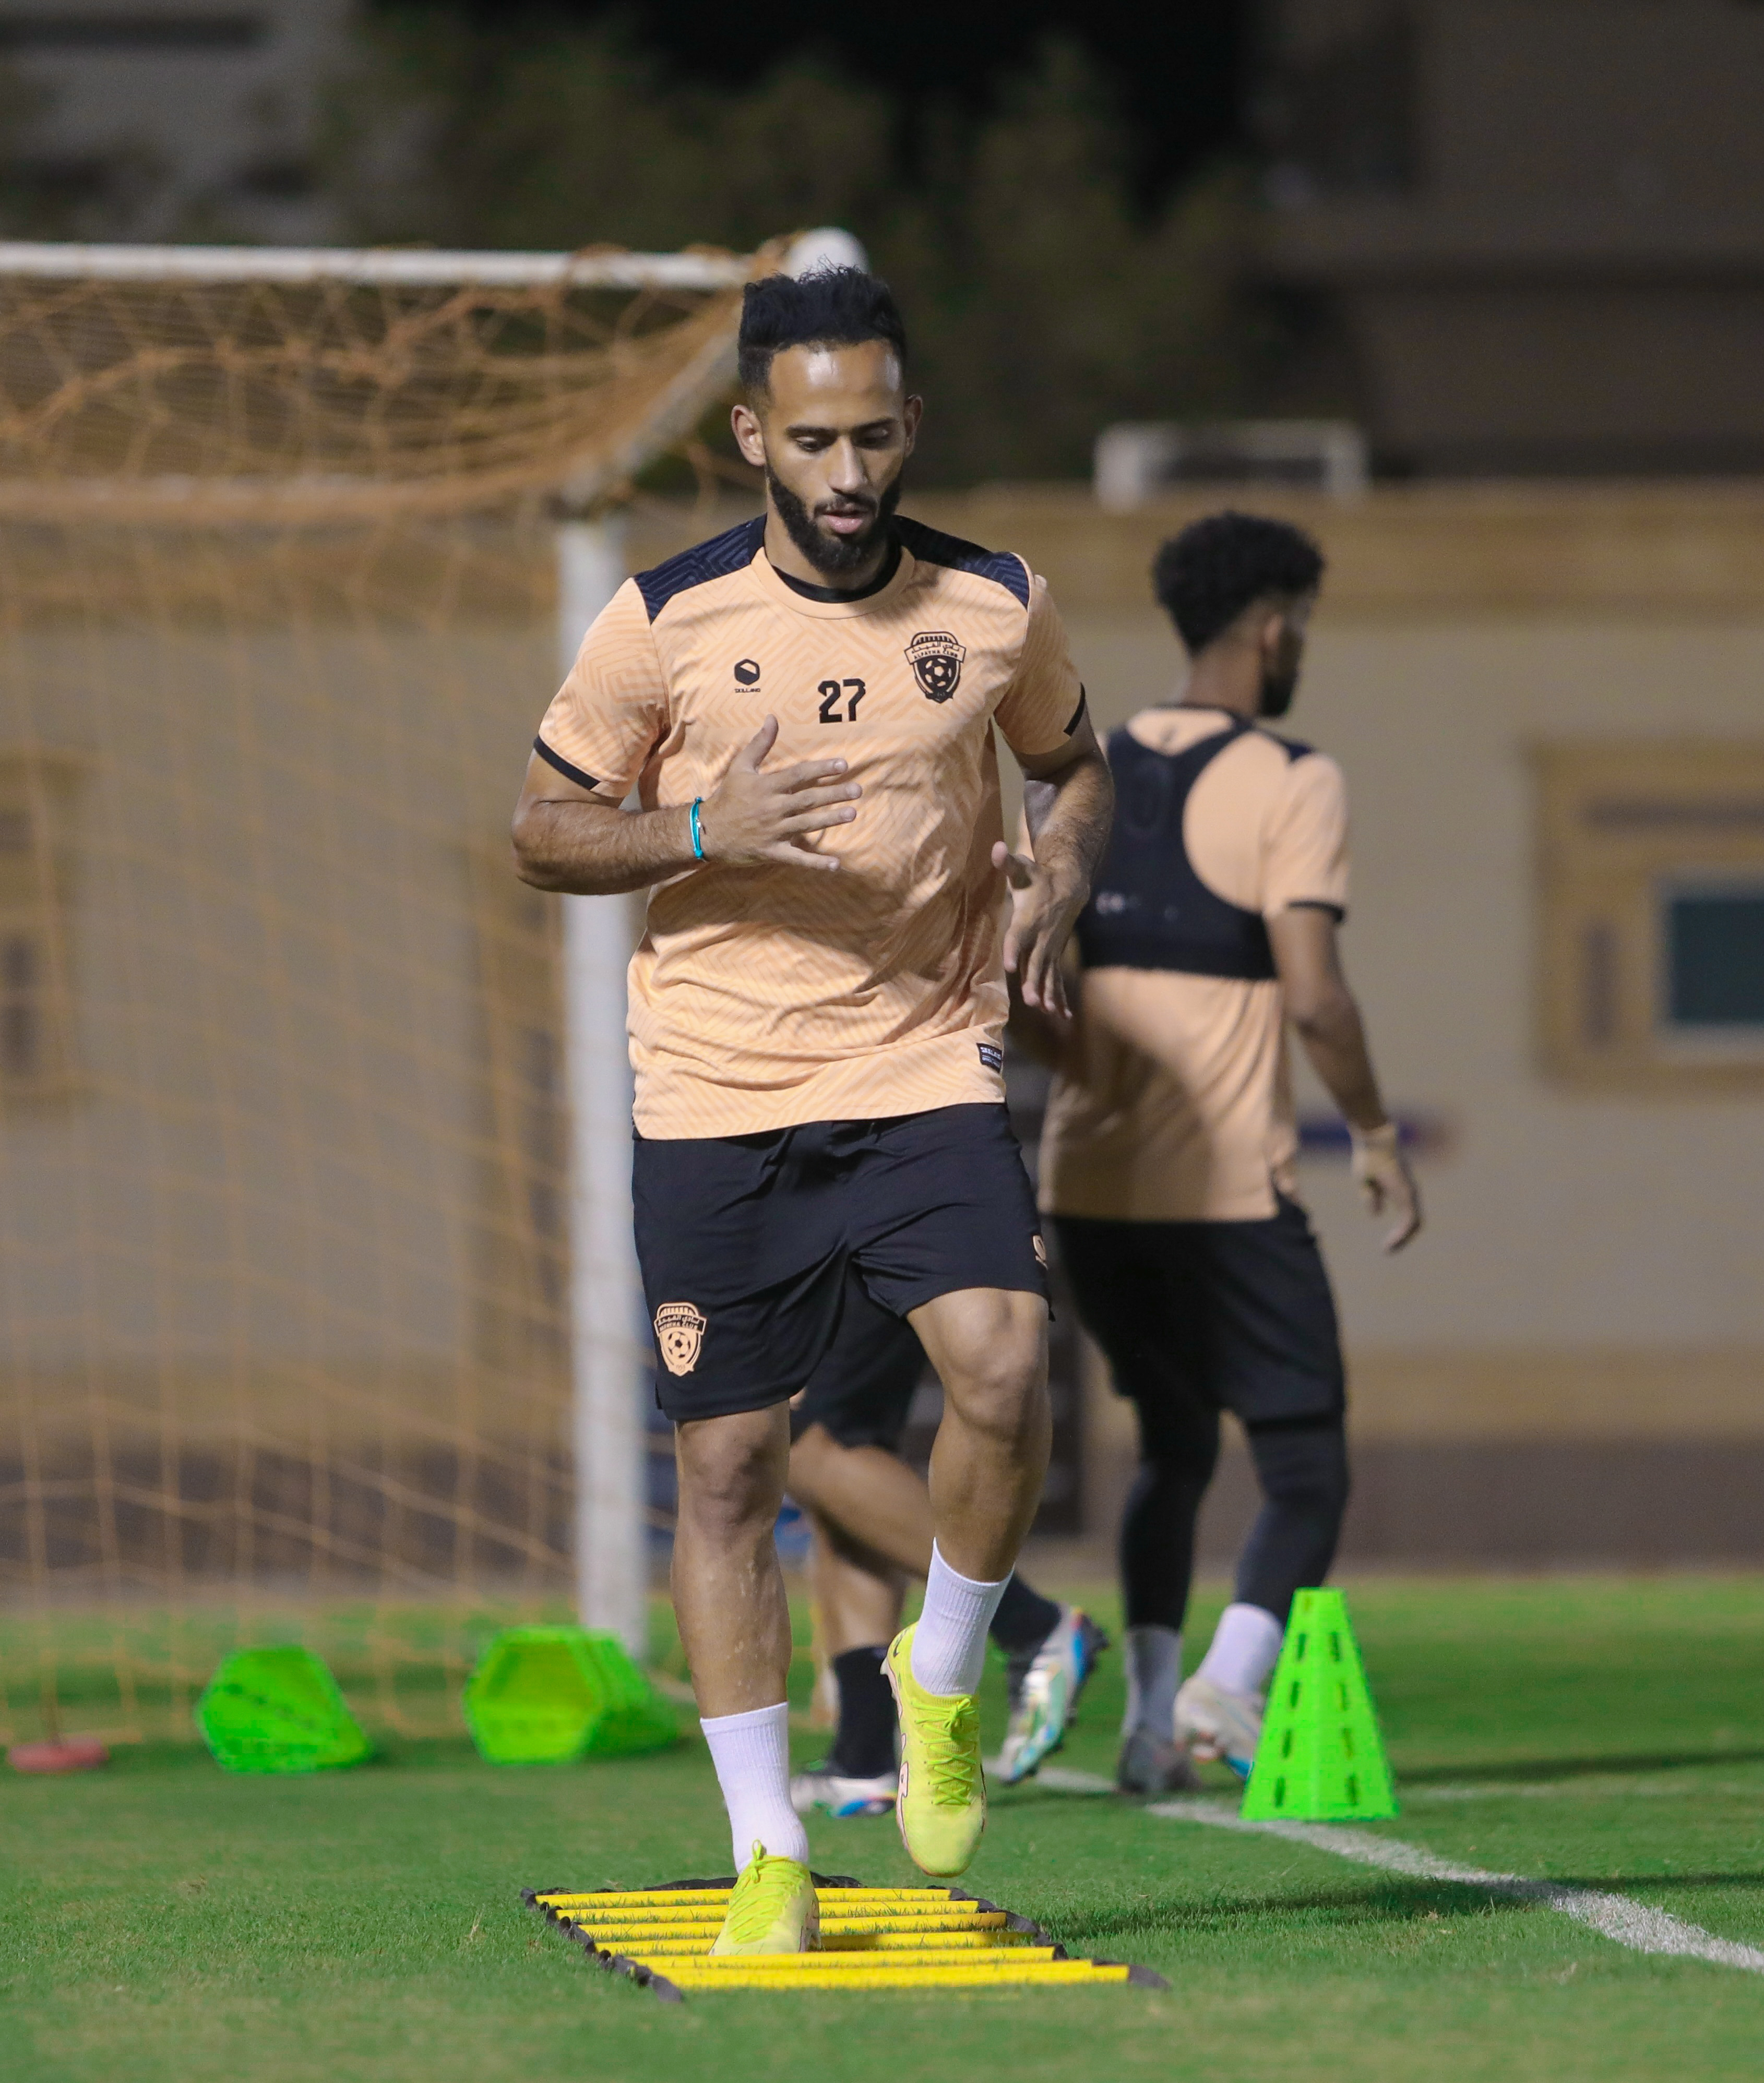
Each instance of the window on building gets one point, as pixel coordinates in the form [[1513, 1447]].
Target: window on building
[[1652, 940], [1713, 942], [37, 1040]]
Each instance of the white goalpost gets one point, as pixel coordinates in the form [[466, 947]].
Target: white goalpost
[[607, 1312], [608, 1337]]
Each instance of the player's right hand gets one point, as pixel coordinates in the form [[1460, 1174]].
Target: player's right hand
[[1385, 1183], [1044, 911], [753, 816]]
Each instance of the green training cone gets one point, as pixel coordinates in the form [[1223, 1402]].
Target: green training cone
[[278, 1710], [1320, 1758], [546, 1695]]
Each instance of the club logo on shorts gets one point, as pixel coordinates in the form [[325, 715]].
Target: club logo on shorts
[[1041, 1250], [936, 659], [680, 1332], [747, 672]]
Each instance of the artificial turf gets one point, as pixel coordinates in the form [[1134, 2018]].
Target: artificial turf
[[161, 1920]]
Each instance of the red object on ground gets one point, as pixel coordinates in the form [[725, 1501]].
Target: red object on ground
[[72, 1754]]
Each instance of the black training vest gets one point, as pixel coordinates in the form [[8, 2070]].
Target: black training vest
[[1148, 910]]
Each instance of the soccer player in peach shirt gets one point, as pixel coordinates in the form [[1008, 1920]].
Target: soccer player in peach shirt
[[806, 706], [1167, 1159]]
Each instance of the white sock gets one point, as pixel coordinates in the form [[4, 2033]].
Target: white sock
[[1154, 1670], [752, 1753], [949, 1645], [1245, 1648]]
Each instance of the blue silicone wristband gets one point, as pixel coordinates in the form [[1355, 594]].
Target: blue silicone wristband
[[698, 834]]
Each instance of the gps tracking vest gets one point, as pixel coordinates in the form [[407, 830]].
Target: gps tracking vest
[[1149, 909]]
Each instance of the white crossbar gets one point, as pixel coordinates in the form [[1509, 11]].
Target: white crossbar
[[374, 267]]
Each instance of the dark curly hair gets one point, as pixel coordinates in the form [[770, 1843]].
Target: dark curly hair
[[833, 307], [1206, 576]]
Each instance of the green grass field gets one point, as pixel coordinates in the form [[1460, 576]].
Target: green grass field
[[162, 1921]]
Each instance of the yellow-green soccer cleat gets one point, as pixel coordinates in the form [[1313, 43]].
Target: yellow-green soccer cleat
[[941, 1807], [772, 1910]]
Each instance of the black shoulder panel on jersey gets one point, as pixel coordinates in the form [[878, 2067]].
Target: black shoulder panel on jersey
[[731, 552], [931, 546], [1291, 746]]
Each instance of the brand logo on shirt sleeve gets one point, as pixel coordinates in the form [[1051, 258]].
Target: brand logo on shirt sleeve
[[679, 1332], [936, 659]]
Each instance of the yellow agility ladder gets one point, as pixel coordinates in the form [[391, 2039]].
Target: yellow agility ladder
[[871, 1938]]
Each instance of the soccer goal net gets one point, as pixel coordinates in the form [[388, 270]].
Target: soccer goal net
[[296, 1345]]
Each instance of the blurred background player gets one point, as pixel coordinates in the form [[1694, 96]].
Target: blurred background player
[[806, 706], [869, 1514], [1168, 1157]]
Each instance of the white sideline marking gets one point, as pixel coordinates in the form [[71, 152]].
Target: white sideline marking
[[1618, 1917], [1603, 1786], [1064, 1779]]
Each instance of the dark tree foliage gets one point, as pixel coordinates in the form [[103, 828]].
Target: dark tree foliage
[[1042, 300], [1178, 70]]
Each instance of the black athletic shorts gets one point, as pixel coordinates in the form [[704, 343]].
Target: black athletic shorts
[[1238, 1315], [862, 1392], [746, 1241]]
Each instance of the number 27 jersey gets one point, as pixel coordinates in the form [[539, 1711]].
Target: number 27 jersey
[[761, 997]]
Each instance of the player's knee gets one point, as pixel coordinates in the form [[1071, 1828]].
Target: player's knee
[[1323, 1498], [1305, 1469], [731, 1472], [1003, 1394], [991, 1350]]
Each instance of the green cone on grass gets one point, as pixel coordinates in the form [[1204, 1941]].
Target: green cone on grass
[[278, 1710], [549, 1695], [1320, 1758]]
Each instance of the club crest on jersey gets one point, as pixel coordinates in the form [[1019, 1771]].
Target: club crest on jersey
[[936, 659], [747, 671], [679, 1332]]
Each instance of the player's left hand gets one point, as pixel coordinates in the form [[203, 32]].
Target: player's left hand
[[1042, 916], [1386, 1185]]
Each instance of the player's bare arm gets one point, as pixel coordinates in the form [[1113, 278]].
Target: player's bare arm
[[1068, 798], [567, 839], [1323, 1010]]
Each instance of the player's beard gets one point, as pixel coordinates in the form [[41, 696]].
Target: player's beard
[[835, 556], [1280, 673], [1279, 683]]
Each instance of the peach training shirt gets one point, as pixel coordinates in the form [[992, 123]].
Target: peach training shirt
[[763, 997], [1174, 1103]]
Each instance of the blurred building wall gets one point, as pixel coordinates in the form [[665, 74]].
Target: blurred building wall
[[154, 119], [1529, 233], [1569, 1364]]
